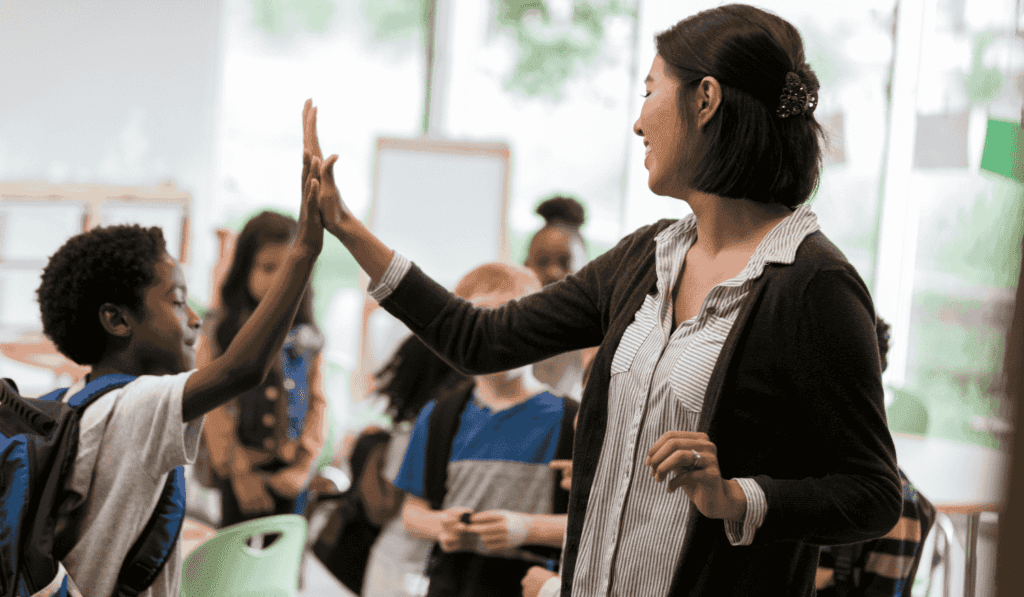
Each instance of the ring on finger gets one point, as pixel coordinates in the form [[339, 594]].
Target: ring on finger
[[696, 459]]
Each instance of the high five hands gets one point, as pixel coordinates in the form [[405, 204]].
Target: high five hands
[[371, 254], [694, 460]]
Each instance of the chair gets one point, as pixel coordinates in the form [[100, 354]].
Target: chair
[[256, 558]]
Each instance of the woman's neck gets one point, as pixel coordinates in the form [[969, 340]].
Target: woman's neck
[[726, 225], [501, 391]]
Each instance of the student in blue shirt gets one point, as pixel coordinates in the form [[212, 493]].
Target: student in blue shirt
[[497, 473]]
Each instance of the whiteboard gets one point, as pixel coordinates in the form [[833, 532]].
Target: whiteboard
[[442, 204]]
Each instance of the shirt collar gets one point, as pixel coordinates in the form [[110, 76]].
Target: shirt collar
[[778, 246]]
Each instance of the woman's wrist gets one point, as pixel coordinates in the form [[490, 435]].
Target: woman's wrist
[[736, 501]]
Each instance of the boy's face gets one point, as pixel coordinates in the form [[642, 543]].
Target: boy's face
[[494, 300], [164, 340]]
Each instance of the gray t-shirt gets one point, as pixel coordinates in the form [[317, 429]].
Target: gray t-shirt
[[129, 440]]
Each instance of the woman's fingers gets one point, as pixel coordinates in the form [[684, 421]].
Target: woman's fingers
[[680, 461]]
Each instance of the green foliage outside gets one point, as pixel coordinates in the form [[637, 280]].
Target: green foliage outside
[[287, 17], [983, 84], [550, 52]]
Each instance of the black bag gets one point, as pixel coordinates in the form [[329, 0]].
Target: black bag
[[344, 544], [40, 525]]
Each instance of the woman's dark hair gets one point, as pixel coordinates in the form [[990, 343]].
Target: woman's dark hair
[[237, 303], [413, 377], [749, 151]]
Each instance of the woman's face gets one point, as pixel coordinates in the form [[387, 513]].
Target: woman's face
[[663, 130], [551, 254], [268, 259]]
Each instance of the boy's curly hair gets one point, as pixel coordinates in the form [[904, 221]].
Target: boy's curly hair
[[113, 264]]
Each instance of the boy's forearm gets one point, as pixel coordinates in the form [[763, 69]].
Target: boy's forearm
[[246, 362], [420, 520], [546, 529]]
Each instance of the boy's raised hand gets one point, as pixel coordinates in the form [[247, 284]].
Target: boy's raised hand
[[370, 253], [310, 232]]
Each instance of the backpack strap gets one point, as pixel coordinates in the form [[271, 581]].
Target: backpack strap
[[150, 552], [97, 388], [153, 548], [444, 424], [560, 500], [844, 575]]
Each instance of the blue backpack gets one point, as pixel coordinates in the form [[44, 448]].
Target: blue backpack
[[38, 523]]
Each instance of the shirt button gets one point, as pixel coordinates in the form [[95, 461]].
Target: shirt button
[[289, 384], [271, 393], [268, 420]]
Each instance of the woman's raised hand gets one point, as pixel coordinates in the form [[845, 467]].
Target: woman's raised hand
[[332, 208], [369, 252], [694, 459]]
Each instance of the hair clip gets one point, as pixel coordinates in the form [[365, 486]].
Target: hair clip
[[796, 98]]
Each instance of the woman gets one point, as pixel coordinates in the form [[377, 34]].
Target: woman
[[737, 357]]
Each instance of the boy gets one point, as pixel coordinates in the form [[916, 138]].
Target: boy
[[499, 487], [112, 298]]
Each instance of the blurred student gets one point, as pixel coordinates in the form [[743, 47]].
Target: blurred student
[[264, 443], [413, 377], [112, 298], [500, 493], [557, 250]]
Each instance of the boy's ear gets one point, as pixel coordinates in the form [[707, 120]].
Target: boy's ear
[[115, 320]]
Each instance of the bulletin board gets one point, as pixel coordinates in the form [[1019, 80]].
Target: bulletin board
[[442, 204]]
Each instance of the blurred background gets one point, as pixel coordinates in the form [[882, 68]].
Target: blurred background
[[186, 114]]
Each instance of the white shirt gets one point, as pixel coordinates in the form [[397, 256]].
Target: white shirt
[[129, 440]]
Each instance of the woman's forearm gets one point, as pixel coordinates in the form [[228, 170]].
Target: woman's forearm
[[372, 255]]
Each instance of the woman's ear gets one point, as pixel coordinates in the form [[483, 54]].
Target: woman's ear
[[707, 99], [116, 320]]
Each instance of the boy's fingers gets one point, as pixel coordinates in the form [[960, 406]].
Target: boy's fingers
[[485, 517]]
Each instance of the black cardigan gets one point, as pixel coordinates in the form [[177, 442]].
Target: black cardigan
[[794, 402]]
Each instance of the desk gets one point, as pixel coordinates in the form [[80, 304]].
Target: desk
[[959, 479], [33, 348]]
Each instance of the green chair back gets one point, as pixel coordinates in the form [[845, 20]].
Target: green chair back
[[228, 566]]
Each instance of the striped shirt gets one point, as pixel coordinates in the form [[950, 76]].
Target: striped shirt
[[633, 528]]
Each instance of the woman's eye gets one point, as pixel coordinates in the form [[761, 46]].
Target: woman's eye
[[645, 94]]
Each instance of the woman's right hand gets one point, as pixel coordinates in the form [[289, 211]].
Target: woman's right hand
[[332, 208], [369, 252]]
